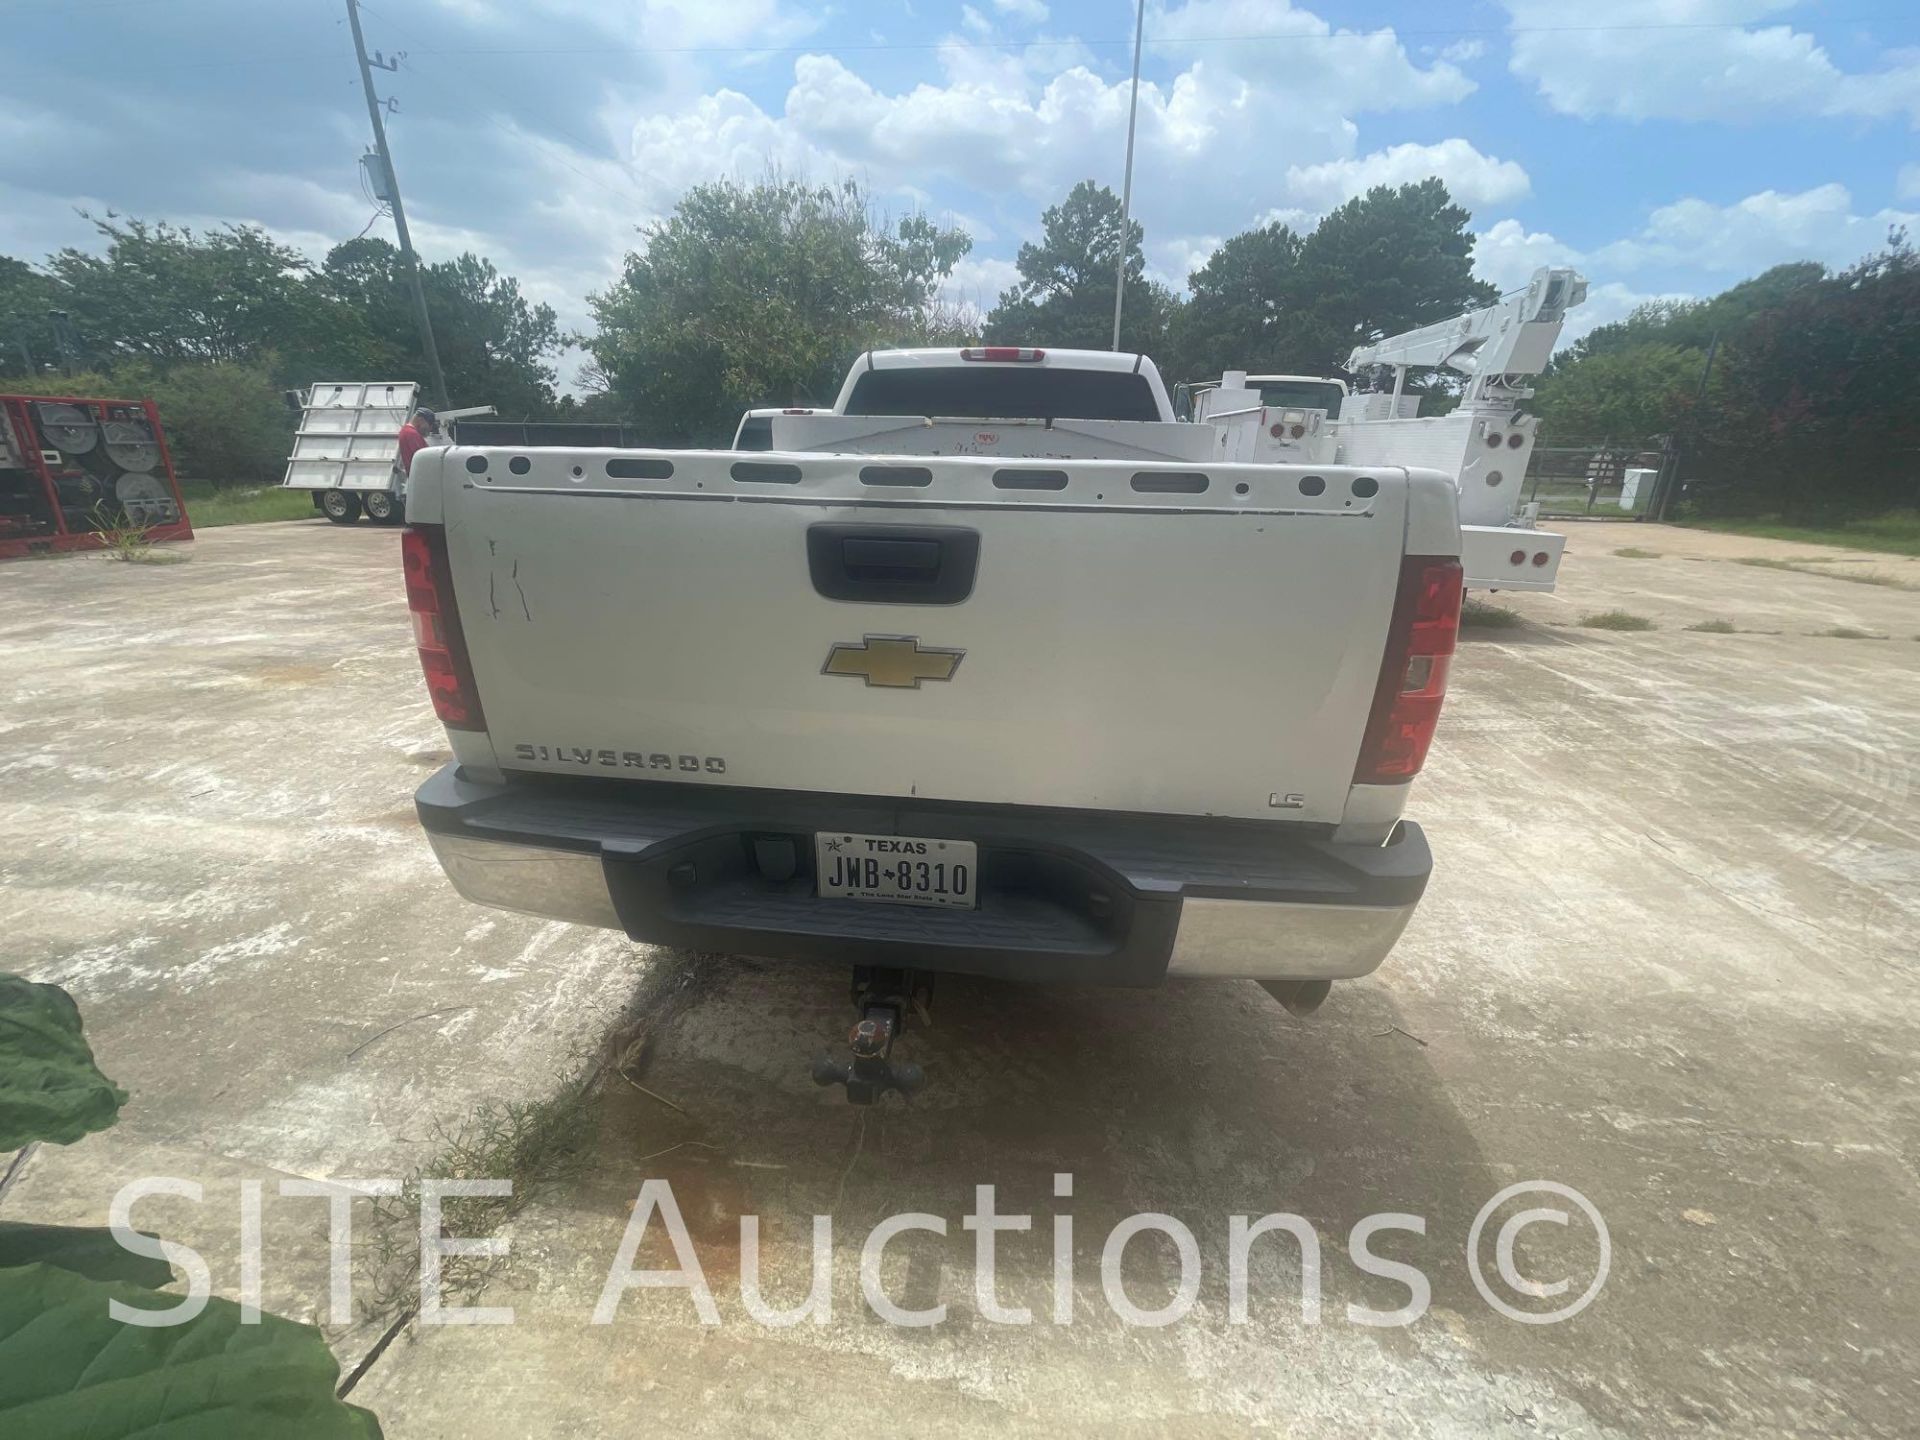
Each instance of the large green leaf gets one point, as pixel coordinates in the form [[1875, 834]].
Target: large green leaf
[[84, 1249], [50, 1088], [70, 1371]]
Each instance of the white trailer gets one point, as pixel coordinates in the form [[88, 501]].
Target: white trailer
[[348, 444], [345, 448]]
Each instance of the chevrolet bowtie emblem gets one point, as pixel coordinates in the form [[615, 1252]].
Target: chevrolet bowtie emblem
[[897, 661]]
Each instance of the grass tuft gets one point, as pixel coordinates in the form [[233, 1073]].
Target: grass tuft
[[1714, 627], [127, 541], [1812, 567], [534, 1144], [1479, 614], [1616, 620], [1848, 632], [1635, 552]]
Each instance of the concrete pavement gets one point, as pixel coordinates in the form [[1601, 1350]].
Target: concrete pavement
[[1666, 960]]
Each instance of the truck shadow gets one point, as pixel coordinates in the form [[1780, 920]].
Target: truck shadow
[[1199, 1100]]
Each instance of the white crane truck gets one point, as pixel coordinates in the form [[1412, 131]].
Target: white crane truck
[[1485, 443], [984, 670]]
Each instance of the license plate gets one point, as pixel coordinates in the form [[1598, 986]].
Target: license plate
[[897, 869]]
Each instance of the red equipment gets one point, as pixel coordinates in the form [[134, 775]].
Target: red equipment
[[70, 468]]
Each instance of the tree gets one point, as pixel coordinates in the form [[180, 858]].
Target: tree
[[1694, 323], [761, 294], [1387, 261], [162, 293], [1240, 308], [1818, 413], [495, 348], [27, 341], [1271, 300], [1065, 293], [1629, 395]]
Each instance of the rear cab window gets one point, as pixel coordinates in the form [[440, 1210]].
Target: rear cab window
[[1004, 392]]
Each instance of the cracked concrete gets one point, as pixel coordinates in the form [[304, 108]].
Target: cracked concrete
[[1667, 960]]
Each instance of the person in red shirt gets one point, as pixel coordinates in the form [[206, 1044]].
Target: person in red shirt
[[414, 436]]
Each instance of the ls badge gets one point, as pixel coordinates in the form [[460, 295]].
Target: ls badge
[[898, 662]]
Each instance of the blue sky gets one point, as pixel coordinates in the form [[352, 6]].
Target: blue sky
[[1667, 147]]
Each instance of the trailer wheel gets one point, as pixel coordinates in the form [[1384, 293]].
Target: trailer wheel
[[383, 507], [340, 507]]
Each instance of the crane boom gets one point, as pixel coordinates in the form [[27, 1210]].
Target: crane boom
[[1514, 336]]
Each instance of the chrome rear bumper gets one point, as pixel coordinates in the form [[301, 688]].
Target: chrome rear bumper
[[1123, 900]]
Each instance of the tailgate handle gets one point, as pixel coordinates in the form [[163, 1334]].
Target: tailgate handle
[[893, 564], [891, 559]]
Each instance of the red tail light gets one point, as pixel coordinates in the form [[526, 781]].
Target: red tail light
[[1413, 675], [1002, 352], [436, 629]]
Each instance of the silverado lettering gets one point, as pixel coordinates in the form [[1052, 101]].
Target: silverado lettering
[[621, 759]]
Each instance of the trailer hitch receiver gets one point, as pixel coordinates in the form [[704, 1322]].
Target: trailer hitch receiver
[[884, 999]]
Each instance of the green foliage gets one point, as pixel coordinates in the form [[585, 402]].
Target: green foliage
[[1819, 410], [167, 295], [1065, 293], [215, 325], [1387, 261], [1616, 620], [209, 508], [495, 347], [1627, 394], [760, 294], [1271, 301], [27, 342], [69, 1369], [1895, 533], [1808, 415], [50, 1089], [1241, 308], [224, 421], [84, 1249]]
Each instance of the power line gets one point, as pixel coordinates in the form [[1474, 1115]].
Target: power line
[[1121, 42], [955, 43]]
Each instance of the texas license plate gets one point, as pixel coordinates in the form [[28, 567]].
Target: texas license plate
[[897, 869]]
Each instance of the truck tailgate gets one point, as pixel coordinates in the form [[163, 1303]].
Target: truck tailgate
[[1083, 634]]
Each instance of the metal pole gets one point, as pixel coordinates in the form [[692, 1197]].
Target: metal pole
[[412, 263], [1126, 185], [1699, 402]]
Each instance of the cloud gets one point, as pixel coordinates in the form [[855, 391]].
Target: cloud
[[1696, 60], [1704, 245], [978, 281], [1749, 235], [1018, 127], [1031, 12], [1475, 180]]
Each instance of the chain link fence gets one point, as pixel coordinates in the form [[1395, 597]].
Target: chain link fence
[[1605, 479]]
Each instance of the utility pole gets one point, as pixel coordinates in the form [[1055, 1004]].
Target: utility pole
[[437, 380], [1670, 482], [1126, 185]]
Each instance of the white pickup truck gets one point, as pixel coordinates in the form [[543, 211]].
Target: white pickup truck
[[972, 673]]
